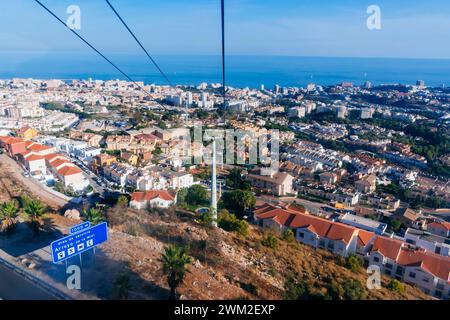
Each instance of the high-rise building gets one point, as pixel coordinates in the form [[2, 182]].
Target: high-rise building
[[277, 89], [367, 113], [341, 111], [311, 87], [420, 84], [367, 85], [189, 98]]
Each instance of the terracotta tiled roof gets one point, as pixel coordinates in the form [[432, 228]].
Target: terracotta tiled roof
[[319, 226], [388, 247], [440, 225], [11, 140], [34, 157], [283, 217], [52, 156], [69, 171], [140, 196], [364, 237], [339, 231], [38, 147], [437, 265], [56, 163]]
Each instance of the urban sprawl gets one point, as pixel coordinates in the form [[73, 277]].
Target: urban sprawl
[[362, 170]]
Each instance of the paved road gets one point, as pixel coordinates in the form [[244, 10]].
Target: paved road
[[14, 287]]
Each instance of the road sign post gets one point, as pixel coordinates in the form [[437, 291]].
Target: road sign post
[[77, 243]]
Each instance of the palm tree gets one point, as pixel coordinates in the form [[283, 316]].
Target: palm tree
[[175, 260], [8, 215], [35, 209], [94, 216]]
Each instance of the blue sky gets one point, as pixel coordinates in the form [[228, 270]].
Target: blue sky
[[414, 28]]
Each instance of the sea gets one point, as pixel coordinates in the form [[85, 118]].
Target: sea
[[241, 71]]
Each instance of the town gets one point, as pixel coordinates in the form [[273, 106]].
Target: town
[[361, 170]]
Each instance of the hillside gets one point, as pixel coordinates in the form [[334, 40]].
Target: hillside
[[227, 265]]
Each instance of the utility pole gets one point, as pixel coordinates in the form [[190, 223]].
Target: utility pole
[[214, 186]]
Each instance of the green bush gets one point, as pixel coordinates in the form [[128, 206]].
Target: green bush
[[229, 222], [288, 236], [206, 218], [354, 262], [354, 290], [270, 241], [396, 286]]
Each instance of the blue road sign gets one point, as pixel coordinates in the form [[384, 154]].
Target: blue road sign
[[79, 227], [74, 244]]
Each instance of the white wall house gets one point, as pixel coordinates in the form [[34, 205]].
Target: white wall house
[[153, 198]]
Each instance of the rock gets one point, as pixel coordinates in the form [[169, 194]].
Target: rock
[[72, 214], [197, 264]]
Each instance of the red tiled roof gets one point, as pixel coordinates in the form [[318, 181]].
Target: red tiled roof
[[34, 157], [339, 231], [38, 147], [440, 225], [364, 237], [140, 196], [56, 163], [437, 265], [51, 156], [11, 140], [388, 247], [319, 226], [69, 171]]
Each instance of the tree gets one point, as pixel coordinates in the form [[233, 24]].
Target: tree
[[235, 180], [396, 286], [182, 196], [94, 216], [196, 195], [239, 201], [395, 225], [8, 215], [175, 261], [35, 210]]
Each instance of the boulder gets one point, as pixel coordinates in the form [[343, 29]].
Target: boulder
[[72, 214]]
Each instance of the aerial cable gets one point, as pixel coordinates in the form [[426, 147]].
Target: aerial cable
[[140, 44], [99, 53]]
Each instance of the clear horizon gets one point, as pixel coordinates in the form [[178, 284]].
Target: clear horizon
[[409, 29]]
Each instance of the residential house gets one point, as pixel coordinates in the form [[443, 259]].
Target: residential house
[[430, 242], [278, 184], [12, 145], [152, 198], [440, 228], [367, 184], [27, 133], [426, 270], [315, 231]]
